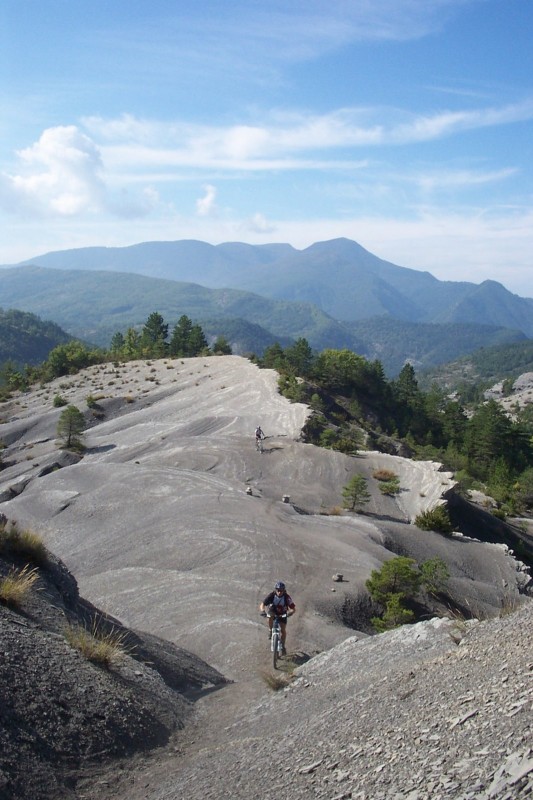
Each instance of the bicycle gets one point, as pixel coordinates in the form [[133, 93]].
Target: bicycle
[[259, 444]]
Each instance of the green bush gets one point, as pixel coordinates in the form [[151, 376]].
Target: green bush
[[398, 582], [395, 615], [433, 575], [59, 401], [435, 519], [398, 576], [390, 487]]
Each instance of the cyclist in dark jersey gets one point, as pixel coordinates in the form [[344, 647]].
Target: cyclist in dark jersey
[[278, 603]]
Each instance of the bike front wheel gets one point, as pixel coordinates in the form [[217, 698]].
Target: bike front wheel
[[275, 649]]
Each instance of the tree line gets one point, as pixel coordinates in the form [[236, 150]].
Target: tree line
[[186, 340], [357, 406]]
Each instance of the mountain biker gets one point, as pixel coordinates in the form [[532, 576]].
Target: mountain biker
[[278, 603], [259, 434]]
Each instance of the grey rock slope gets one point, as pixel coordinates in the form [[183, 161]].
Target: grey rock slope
[[437, 710], [175, 525], [61, 715]]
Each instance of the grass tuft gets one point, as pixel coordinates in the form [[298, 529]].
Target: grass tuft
[[17, 584], [23, 543], [332, 511], [384, 475], [105, 648]]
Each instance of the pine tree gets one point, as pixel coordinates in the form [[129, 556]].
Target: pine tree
[[70, 426]]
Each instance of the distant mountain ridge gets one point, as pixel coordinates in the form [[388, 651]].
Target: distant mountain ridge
[[94, 305], [339, 276], [335, 294]]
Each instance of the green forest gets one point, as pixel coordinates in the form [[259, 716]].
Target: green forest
[[356, 407]]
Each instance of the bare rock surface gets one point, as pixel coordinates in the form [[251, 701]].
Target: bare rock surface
[[435, 710], [174, 524]]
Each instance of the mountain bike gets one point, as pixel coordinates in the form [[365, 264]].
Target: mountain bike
[[259, 444]]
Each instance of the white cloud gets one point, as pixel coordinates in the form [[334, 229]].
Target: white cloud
[[206, 206], [258, 223], [452, 178], [282, 142], [59, 174], [63, 174]]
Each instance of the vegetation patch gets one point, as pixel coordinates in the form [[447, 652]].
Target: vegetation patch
[[26, 544], [396, 585], [355, 493], [384, 475], [435, 519], [105, 648], [70, 426], [17, 584]]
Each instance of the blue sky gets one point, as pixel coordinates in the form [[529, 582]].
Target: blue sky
[[405, 125]]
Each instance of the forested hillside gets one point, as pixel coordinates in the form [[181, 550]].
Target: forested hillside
[[27, 339], [484, 366], [93, 306]]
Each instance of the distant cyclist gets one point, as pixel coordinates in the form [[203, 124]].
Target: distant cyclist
[[277, 604], [259, 436]]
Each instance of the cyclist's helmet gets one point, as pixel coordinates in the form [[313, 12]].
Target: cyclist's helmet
[[279, 585]]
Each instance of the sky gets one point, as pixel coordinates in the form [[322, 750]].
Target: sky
[[405, 125]]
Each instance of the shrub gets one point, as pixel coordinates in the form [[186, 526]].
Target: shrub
[[59, 401], [433, 574], [395, 615], [435, 519], [385, 475], [23, 543], [398, 576], [327, 438], [17, 584], [399, 581], [389, 487], [334, 511], [100, 647]]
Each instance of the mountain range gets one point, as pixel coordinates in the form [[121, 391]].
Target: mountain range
[[335, 294]]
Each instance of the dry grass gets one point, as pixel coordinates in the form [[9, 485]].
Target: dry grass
[[384, 475], [17, 584], [274, 681], [336, 511], [23, 543], [105, 648]]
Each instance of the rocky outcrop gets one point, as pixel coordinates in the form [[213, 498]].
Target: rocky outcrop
[[63, 716]]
